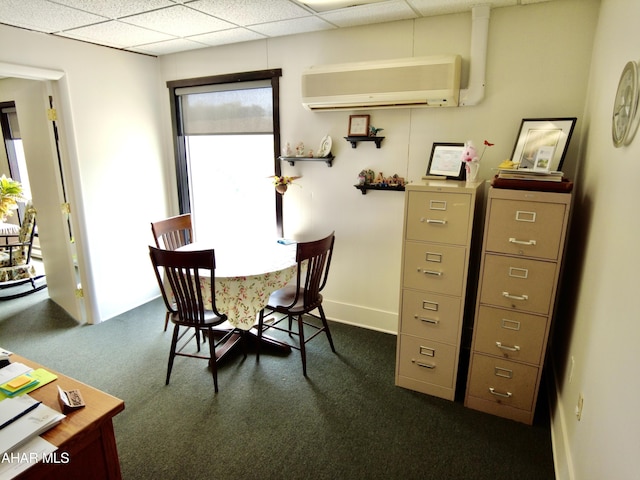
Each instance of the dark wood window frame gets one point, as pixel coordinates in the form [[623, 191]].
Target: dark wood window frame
[[182, 175]]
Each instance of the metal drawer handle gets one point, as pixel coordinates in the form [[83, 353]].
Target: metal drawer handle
[[427, 320], [437, 222], [522, 242], [423, 365], [500, 394], [515, 297], [431, 272], [515, 348]]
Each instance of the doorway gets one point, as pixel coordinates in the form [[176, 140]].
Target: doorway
[[31, 96]]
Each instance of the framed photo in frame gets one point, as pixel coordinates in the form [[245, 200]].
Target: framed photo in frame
[[542, 143], [446, 160], [359, 125]]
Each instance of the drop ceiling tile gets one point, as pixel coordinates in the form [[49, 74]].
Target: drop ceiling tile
[[116, 34], [43, 16], [113, 9], [170, 46], [428, 8], [178, 20], [290, 27], [234, 35], [368, 14], [250, 12]]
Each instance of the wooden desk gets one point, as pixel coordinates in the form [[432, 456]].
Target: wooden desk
[[86, 435]]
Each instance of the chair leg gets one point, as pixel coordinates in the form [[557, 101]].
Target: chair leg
[[303, 350], [212, 361], [172, 352], [166, 321], [325, 324], [259, 342]]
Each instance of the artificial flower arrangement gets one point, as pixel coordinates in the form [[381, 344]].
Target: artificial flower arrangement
[[471, 160], [10, 195], [282, 182]]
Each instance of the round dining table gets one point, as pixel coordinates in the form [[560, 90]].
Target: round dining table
[[246, 274]]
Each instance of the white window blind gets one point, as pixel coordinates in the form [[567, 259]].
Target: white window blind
[[227, 109]]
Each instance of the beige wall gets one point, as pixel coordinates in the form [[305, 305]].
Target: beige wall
[[110, 125], [598, 324], [537, 66]]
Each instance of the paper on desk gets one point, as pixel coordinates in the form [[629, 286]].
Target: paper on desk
[[25, 456], [12, 407], [12, 371], [28, 426]]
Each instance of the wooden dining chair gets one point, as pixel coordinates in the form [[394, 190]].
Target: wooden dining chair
[[300, 300], [171, 234], [183, 272]]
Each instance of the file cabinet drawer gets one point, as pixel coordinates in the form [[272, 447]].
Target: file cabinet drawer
[[438, 217], [518, 283], [432, 316], [530, 229], [503, 381], [513, 335], [426, 361], [437, 268]]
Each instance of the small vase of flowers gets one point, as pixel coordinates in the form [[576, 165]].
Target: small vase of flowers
[[282, 183]]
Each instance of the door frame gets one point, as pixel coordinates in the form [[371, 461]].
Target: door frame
[[63, 288]]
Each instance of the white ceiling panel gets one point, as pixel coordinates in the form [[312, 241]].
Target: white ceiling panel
[[369, 14], [44, 16], [159, 27], [250, 12], [116, 34], [234, 35], [111, 9], [170, 46], [290, 27], [179, 21]]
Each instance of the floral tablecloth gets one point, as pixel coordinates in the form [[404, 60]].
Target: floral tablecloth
[[246, 277]]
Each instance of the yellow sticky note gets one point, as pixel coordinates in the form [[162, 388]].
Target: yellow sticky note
[[20, 381]]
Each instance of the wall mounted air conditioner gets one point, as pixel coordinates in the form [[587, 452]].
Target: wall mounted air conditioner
[[408, 82]]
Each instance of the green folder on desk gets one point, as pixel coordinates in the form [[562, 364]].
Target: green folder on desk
[[39, 377]]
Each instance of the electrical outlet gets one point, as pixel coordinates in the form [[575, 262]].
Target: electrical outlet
[[579, 407]]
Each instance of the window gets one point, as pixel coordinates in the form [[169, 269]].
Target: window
[[227, 138]]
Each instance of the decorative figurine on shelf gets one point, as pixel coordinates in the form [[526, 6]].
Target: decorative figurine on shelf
[[300, 149], [286, 150], [373, 131], [365, 177], [379, 178]]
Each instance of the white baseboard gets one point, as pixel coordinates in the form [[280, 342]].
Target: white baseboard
[[360, 316], [562, 462]]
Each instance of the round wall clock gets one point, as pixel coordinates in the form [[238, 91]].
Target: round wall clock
[[624, 121]]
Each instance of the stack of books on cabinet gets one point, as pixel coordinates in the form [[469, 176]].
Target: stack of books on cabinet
[[533, 175]]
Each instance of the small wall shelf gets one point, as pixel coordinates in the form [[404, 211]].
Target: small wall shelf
[[292, 160], [363, 188], [354, 140]]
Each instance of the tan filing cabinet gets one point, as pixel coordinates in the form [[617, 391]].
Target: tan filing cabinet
[[521, 258], [438, 227]]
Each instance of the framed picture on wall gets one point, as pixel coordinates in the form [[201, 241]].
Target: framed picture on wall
[[359, 125], [446, 160], [542, 143]]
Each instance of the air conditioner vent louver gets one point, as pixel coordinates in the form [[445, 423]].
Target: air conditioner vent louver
[[418, 81]]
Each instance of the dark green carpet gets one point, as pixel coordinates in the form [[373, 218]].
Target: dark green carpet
[[346, 421]]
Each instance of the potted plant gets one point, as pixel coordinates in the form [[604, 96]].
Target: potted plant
[[10, 195]]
